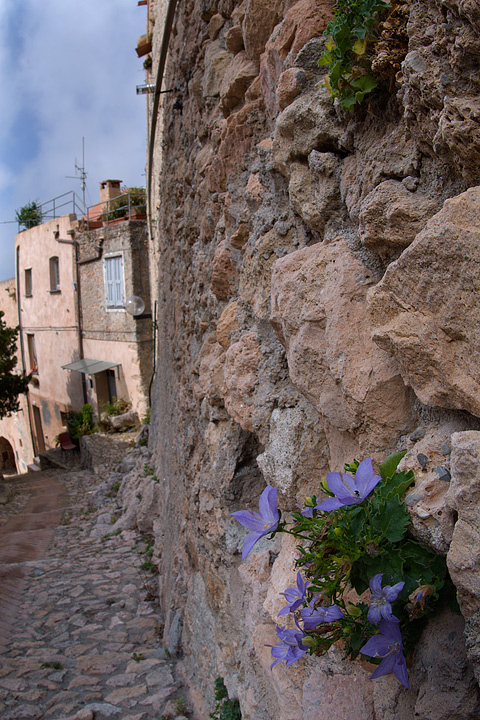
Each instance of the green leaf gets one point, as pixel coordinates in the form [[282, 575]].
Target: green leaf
[[366, 83], [399, 484], [391, 519], [389, 466], [348, 101]]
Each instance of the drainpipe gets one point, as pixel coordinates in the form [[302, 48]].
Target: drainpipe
[[156, 102], [22, 349]]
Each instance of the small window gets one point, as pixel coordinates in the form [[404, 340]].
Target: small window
[[28, 282], [114, 281], [32, 354], [54, 275]]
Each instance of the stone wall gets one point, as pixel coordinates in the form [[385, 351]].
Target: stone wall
[[318, 297]]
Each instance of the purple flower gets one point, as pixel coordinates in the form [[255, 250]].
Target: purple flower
[[380, 607], [290, 648], [388, 646], [312, 616], [295, 596], [261, 523], [350, 490]]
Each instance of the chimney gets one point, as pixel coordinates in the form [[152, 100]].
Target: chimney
[[109, 189]]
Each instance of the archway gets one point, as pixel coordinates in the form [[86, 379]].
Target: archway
[[7, 457]]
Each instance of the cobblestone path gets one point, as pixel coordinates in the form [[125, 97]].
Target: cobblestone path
[[81, 632]]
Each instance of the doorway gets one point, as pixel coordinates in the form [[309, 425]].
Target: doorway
[[7, 457], [38, 430]]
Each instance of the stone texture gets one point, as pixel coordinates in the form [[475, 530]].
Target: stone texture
[[261, 16], [303, 21], [125, 420], [223, 274], [425, 311], [308, 123], [238, 76], [234, 40], [290, 84], [227, 324], [240, 236], [241, 376], [314, 190], [217, 61], [215, 25], [318, 306], [222, 196], [257, 270], [65, 658], [463, 498], [391, 216]]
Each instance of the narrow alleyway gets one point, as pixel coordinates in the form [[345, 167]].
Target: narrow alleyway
[[80, 630]]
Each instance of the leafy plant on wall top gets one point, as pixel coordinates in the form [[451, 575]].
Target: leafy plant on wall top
[[362, 578], [350, 35], [119, 206], [29, 215]]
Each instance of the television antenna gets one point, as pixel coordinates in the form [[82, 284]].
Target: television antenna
[[82, 173]]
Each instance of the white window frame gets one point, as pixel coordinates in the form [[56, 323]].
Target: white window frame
[[28, 282], [114, 287], [54, 269]]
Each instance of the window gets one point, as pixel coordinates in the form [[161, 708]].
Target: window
[[114, 281], [54, 275], [28, 282], [32, 355]]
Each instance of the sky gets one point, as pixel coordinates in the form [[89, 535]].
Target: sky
[[68, 70]]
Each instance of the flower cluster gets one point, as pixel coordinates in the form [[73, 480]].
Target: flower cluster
[[353, 544]]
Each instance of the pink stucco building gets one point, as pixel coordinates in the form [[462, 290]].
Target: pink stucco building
[[73, 278]]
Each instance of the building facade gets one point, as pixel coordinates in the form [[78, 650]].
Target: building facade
[[76, 337]]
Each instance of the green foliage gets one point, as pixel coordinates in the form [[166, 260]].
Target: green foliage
[[11, 384], [118, 207], [117, 407], [81, 423], [347, 547], [349, 34], [181, 706], [225, 709], [149, 566], [29, 215], [147, 63]]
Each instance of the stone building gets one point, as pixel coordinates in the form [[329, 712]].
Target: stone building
[[76, 337], [318, 296]]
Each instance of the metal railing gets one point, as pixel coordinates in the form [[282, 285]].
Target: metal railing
[[127, 206], [58, 206]]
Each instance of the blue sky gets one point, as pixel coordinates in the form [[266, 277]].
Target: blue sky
[[68, 71]]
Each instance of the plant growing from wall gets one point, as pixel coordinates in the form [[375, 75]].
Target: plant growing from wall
[[362, 578], [350, 35], [117, 407], [12, 384], [81, 423], [29, 215], [225, 709]]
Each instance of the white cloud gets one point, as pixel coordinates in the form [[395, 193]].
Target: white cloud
[[68, 70]]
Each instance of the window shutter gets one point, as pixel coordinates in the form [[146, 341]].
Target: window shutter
[[109, 282], [118, 281], [114, 281]]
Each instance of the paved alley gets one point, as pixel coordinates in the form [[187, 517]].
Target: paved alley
[[80, 631]]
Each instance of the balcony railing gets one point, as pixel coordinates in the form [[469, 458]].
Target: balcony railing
[[127, 206]]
